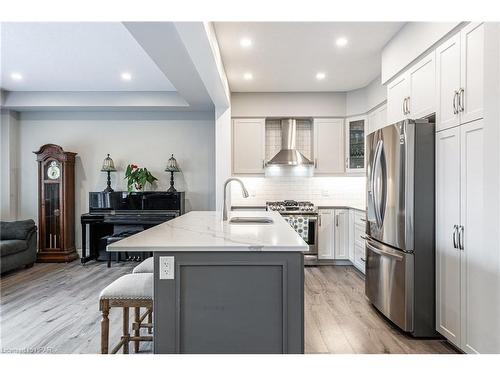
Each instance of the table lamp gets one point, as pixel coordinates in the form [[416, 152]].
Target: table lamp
[[108, 166], [172, 167]]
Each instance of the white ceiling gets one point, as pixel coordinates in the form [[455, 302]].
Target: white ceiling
[[285, 56], [82, 56]]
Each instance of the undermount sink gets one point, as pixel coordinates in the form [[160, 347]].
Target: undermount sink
[[250, 220]]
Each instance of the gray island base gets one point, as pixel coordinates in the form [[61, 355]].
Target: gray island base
[[230, 302], [225, 288]]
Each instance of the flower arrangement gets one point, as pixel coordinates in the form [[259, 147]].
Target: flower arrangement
[[138, 177]]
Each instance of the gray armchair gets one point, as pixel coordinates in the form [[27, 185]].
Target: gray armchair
[[17, 244]]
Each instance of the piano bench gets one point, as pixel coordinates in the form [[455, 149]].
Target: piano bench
[[108, 240]]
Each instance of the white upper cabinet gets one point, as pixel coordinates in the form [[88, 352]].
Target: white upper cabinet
[[397, 93], [422, 86], [248, 146], [341, 234], [448, 83], [472, 71], [328, 146], [411, 94], [377, 118], [459, 87], [355, 132]]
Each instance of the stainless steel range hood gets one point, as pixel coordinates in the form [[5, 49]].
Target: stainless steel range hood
[[288, 154]]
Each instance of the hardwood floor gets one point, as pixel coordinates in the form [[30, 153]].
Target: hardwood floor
[[53, 308], [339, 319]]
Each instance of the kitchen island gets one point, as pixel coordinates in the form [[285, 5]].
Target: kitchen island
[[222, 287]]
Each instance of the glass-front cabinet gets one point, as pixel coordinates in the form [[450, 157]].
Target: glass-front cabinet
[[355, 144]]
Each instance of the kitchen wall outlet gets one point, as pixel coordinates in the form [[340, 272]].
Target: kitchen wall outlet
[[325, 193], [166, 268]]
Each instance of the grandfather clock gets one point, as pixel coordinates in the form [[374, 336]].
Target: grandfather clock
[[56, 204]]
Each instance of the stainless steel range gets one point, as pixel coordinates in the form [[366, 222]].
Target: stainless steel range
[[303, 217]]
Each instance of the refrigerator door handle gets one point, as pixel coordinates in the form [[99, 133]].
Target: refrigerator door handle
[[382, 252], [379, 187], [372, 182]]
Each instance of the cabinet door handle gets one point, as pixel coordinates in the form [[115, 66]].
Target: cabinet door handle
[[455, 230], [404, 106], [316, 163], [363, 260], [461, 238], [337, 220], [319, 219], [461, 98], [347, 163], [455, 96], [408, 105], [263, 164]]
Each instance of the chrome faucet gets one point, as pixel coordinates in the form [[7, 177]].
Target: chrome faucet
[[244, 191]]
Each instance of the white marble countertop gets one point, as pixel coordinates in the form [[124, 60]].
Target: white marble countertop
[[205, 231]]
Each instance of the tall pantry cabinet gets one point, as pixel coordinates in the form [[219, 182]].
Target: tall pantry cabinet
[[463, 287]]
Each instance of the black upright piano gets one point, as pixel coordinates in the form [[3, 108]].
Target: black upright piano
[[120, 211]]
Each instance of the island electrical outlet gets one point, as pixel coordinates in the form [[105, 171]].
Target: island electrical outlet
[[166, 267]]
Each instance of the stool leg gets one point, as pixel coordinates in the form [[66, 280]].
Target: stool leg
[[150, 320], [126, 335], [104, 326], [109, 259], [137, 328]]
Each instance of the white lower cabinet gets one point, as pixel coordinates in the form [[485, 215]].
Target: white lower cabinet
[[465, 290], [358, 240], [325, 234], [333, 234], [341, 234]]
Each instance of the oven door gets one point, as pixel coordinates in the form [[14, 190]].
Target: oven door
[[311, 236]]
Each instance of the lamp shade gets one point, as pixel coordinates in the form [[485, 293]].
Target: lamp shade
[[108, 165], [172, 165]]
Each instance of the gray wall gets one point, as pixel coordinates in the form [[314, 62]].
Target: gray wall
[[143, 138], [9, 136]]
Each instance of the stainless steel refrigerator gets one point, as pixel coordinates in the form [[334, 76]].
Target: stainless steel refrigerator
[[400, 270]]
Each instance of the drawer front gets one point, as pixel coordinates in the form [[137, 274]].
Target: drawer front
[[359, 233], [359, 218], [359, 256]]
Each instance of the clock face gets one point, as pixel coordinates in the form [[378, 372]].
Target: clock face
[[53, 171]]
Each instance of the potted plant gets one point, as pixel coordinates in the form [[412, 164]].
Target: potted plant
[[138, 177]]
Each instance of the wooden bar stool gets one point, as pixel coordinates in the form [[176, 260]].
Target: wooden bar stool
[[129, 291], [146, 266]]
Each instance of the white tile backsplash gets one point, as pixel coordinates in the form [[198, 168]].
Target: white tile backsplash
[[322, 191]]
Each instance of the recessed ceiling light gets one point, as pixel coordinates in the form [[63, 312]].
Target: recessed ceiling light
[[16, 76], [245, 42], [126, 76], [248, 76], [341, 42], [320, 76]]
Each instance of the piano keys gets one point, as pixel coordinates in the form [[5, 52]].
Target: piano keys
[[114, 212]]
